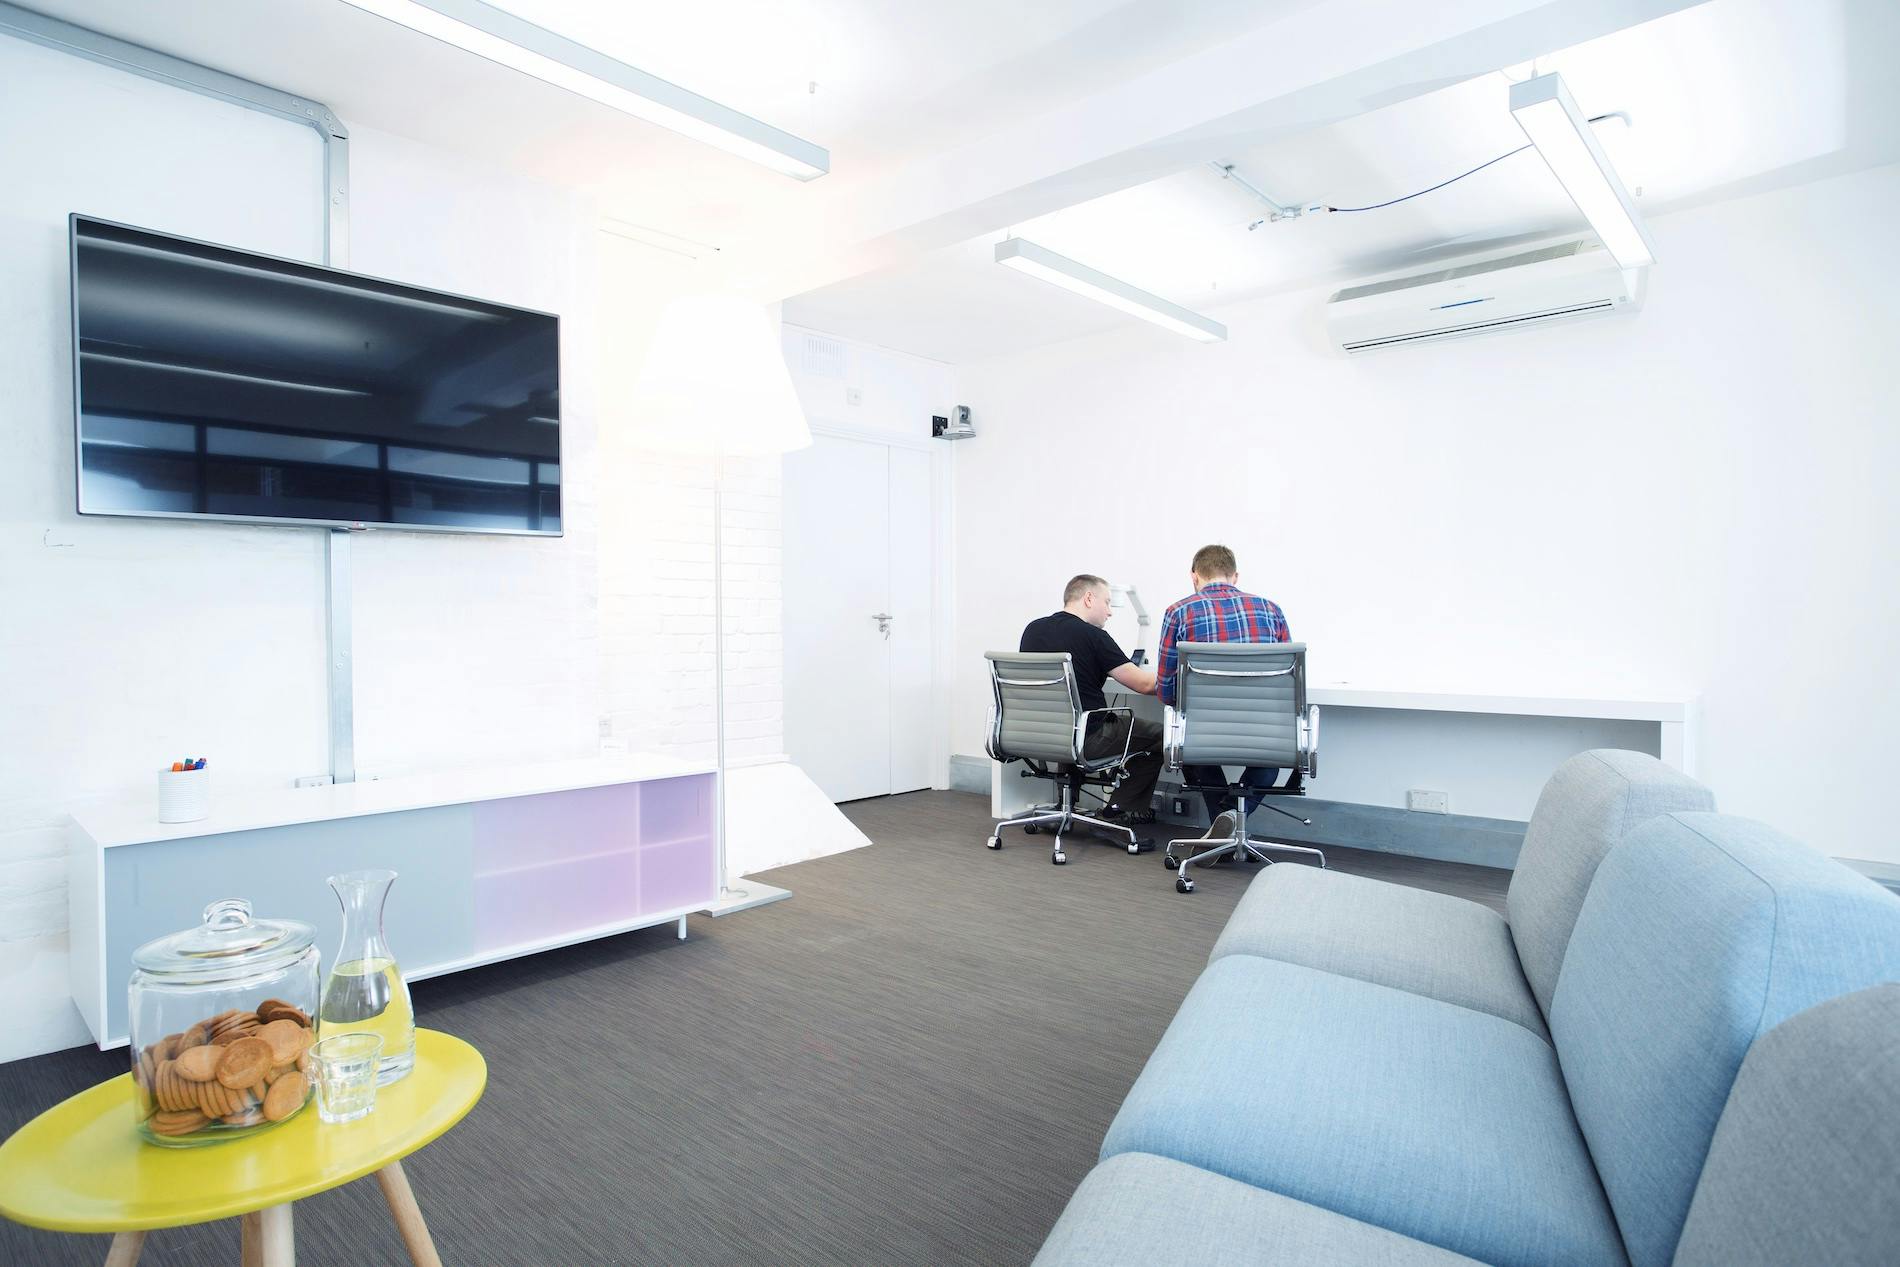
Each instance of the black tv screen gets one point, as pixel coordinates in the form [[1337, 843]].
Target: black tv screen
[[215, 383]]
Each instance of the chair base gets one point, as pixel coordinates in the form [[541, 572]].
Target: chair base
[[1065, 817], [1239, 846]]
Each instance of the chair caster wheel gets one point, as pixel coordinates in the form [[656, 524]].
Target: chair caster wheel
[[1169, 861], [1032, 829], [994, 842], [1134, 846], [1183, 885], [1058, 857]]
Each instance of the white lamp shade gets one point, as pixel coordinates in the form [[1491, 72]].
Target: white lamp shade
[[715, 383]]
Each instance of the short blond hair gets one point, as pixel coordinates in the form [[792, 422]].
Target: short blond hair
[[1080, 585], [1215, 563]]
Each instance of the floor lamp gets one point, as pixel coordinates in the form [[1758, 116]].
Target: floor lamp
[[715, 385]]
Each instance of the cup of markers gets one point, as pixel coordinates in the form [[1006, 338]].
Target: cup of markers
[[184, 791]]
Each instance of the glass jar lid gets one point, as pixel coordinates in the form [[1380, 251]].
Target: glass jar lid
[[228, 943]]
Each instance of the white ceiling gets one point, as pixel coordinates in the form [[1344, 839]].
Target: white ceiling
[[896, 80], [1725, 98]]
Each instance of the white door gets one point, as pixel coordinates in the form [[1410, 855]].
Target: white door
[[858, 568]]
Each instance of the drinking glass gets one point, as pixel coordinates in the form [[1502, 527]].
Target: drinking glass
[[345, 1067]]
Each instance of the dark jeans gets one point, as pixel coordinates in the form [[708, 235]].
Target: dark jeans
[[1220, 800], [1106, 736]]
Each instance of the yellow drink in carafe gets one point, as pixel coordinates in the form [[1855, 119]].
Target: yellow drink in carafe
[[367, 996]]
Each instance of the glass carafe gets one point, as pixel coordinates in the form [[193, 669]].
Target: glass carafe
[[365, 992]]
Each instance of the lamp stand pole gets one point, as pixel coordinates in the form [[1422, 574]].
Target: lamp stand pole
[[719, 673]]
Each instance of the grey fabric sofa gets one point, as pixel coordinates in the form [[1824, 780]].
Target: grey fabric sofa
[[1366, 1073]]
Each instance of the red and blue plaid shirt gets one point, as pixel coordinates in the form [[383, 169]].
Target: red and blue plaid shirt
[[1219, 613]]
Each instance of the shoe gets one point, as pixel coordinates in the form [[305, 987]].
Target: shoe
[[1222, 827], [1133, 817]]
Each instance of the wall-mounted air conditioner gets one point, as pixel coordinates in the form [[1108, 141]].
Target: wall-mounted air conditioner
[[1566, 282]]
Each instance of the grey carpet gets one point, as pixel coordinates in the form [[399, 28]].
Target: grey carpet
[[911, 1061]]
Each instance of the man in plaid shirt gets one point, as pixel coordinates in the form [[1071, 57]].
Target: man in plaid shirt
[[1218, 611]]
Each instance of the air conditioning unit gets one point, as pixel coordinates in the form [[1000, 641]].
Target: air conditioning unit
[[1565, 282]]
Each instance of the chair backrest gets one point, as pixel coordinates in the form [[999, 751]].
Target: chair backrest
[[1700, 934], [1588, 806], [1240, 703], [1037, 709], [1805, 1167]]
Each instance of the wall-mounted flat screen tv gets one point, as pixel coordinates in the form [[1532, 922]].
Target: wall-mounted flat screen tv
[[212, 383]]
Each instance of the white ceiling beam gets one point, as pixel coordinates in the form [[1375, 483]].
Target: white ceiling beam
[[1319, 65]]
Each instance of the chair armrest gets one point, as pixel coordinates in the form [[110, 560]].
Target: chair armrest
[[1082, 729], [1173, 732], [1309, 741]]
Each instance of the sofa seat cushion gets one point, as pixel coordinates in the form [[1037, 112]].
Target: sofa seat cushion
[[1435, 1121], [1139, 1210], [1428, 943]]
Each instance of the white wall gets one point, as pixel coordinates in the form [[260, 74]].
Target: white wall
[[128, 643], [1696, 501]]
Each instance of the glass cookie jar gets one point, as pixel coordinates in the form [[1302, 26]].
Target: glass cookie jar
[[222, 1021]]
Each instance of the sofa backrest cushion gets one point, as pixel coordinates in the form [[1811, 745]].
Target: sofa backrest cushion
[[1805, 1166], [1700, 933], [1589, 804]]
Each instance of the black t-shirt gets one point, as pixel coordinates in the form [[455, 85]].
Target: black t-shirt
[[1095, 653]]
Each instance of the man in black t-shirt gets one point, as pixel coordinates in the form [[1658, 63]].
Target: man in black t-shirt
[[1077, 629]]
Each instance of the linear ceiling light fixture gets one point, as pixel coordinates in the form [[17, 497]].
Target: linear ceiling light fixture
[[1040, 261], [507, 40], [1543, 108]]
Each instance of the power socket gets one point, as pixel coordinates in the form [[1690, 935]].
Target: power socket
[[1426, 802]]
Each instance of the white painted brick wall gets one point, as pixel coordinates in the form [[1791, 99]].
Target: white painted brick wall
[[656, 607]]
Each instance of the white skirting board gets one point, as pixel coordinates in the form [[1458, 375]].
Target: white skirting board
[[775, 816]]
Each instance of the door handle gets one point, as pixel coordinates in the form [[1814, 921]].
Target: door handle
[[884, 620]]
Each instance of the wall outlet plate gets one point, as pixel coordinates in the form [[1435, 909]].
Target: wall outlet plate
[[312, 780], [1426, 802]]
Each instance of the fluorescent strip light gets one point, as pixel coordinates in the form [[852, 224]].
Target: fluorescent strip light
[[171, 368], [510, 41], [1543, 108], [1039, 261]]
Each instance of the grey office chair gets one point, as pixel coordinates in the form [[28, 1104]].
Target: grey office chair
[[1242, 704], [1036, 717]]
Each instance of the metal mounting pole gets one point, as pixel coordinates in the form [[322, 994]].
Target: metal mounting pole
[[138, 60], [339, 658]]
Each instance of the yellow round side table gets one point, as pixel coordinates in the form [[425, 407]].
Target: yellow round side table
[[81, 1167]]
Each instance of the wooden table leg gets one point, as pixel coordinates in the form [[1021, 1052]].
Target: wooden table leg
[[251, 1238], [270, 1238], [126, 1248], [402, 1204]]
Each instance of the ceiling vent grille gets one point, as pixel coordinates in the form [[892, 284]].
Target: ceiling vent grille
[[824, 358]]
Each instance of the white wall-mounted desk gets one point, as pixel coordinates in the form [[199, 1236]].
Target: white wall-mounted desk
[[1490, 751], [491, 864], [1673, 718]]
